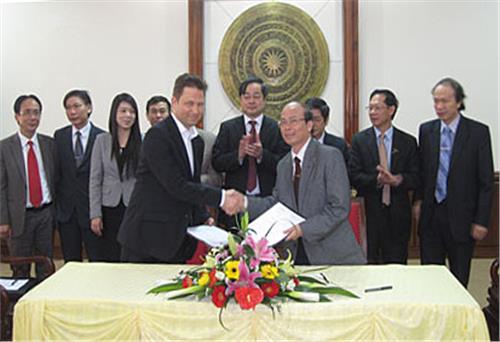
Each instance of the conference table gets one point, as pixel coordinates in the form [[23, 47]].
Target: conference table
[[104, 301]]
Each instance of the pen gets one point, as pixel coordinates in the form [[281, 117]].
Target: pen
[[381, 288], [13, 282]]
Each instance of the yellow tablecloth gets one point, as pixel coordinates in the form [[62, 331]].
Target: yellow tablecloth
[[96, 301]]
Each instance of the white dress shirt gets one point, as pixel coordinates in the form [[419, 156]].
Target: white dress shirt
[[84, 137]]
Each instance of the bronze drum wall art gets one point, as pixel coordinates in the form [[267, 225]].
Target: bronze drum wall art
[[279, 43]]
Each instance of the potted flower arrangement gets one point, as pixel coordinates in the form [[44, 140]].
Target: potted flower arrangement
[[249, 272]]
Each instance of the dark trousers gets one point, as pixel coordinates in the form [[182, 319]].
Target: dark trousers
[[109, 248], [73, 235], [301, 257], [184, 253], [36, 239], [383, 247], [438, 243]]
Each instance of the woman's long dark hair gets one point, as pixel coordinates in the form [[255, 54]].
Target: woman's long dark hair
[[130, 153]]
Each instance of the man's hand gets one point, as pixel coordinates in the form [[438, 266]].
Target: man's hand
[[244, 141], [478, 232], [293, 233], [255, 150], [5, 231], [96, 226], [386, 177], [234, 202], [210, 221]]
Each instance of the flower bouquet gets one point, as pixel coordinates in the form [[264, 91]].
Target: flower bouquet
[[251, 273]]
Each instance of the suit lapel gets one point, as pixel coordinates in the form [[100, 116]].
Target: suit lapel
[[176, 135], [47, 158], [308, 165], [198, 147], [288, 181], [17, 155], [372, 145], [461, 137], [434, 139], [395, 149], [90, 143]]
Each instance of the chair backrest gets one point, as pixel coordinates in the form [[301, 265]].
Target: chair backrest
[[357, 219]]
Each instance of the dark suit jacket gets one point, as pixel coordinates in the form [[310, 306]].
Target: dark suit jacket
[[363, 175], [72, 185], [225, 154], [338, 142], [470, 177], [13, 179], [166, 198]]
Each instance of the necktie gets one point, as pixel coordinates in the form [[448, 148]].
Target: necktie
[[252, 163], [34, 183], [189, 150], [78, 149], [296, 179], [382, 153], [444, 164]]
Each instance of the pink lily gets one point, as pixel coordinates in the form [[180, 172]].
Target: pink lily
[[262, 251]]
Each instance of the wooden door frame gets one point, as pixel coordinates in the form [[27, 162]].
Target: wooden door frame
[[350, 40]]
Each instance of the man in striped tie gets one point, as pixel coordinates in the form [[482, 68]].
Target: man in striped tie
[[454, 203], [27, 167]]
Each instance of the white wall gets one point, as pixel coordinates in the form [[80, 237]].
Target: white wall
[[218, 17], [410, 45], [48, 48]]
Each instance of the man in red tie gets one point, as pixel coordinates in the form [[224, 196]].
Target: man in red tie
[[27, 167], [248, 147]]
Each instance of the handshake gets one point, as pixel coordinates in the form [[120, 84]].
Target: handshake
[[234, 202]]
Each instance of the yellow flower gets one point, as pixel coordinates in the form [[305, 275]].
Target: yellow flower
[[204, 279], [232, 270], [269, 271]]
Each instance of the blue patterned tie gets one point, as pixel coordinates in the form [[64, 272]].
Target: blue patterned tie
[[444, 164]]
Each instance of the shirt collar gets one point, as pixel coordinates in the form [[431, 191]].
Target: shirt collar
[[322, 137], [189, 133], [387, 134], [453, 125], [85, 130], [301, 152], [24, 140], [257, 119]]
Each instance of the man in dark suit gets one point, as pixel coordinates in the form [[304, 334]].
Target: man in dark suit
[[321, 113], [384, 170], [249, 146], [457, 182], [27, 171], [168, 196], [74, 146]]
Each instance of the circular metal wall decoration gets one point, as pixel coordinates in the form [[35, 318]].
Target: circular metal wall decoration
[[279, 43]]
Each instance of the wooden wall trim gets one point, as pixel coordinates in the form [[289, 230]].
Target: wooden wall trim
[[195, 27], [351, 70]]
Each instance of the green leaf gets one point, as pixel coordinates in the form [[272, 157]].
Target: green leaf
[[166, 287], [333, 290], [310, 279], [185, 292], [244, 221], [231, 244], [249, 251]]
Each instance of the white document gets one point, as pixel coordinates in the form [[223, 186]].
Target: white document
[[13, 284], [211, 235], [273, 222]]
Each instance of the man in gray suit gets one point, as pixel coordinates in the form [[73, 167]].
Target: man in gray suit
[[27, 166], [312, 181]]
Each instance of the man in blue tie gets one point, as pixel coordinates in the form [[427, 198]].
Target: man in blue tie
[[454, 202]]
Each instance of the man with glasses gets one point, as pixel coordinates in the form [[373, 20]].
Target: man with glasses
[[312, 181], [27, 176], [384, 170], [249, 146], [321, 113]]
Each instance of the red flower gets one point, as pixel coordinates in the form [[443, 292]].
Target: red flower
[[296, 281], [249, 297], [219, 296], [213, 280], [187, 282], [270, 289]]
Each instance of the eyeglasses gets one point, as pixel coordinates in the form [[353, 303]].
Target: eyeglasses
[[291, 122], [155, 111], [376, 108], [29, 112], [256, 96], [75, 106]]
